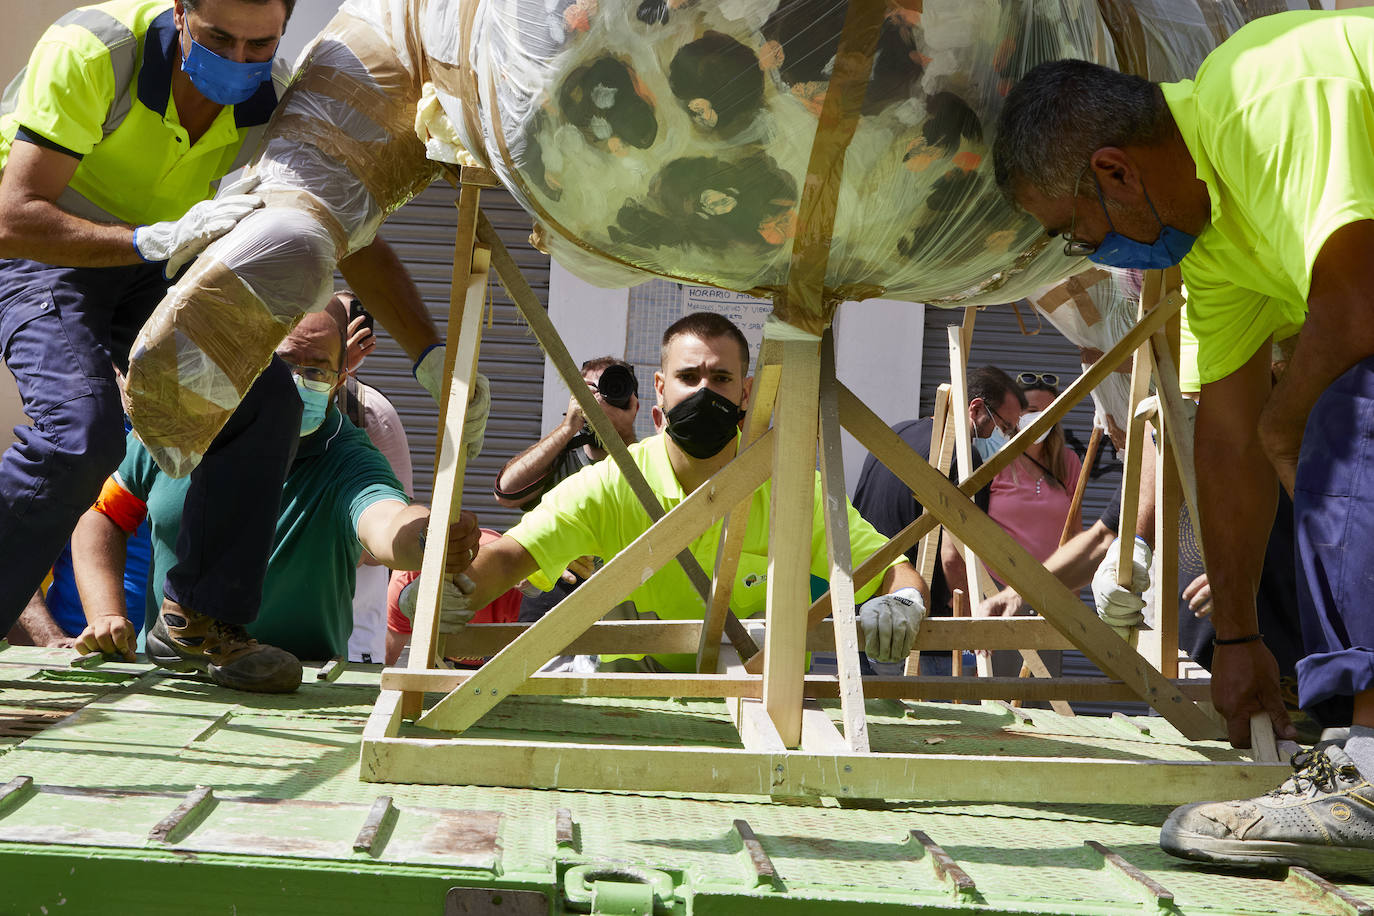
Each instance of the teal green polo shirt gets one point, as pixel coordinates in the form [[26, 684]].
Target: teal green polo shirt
[[594, 512], [98, 87], [307, 597], [1280, 121]]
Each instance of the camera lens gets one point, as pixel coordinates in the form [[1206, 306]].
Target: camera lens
[[617, 385]]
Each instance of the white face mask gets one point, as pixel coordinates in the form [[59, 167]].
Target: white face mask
[[1030, 417]]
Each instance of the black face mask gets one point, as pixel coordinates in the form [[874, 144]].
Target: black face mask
[[704, 423]]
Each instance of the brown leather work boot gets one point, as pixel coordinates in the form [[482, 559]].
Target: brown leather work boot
[[184, 640]]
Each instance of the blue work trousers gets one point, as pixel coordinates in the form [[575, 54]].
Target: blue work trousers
[[62, 331], [1333, 515]]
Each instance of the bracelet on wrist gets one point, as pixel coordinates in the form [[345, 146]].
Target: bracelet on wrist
[[1253, 637]]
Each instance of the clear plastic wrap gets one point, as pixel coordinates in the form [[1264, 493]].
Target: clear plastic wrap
[[1166, 40], [1094, 310], [648, 137], [673, 137], [340, 155]]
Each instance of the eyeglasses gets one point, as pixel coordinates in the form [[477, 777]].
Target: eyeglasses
[[315, 378], [1008, 429], [1073, 246], [1031, 378]]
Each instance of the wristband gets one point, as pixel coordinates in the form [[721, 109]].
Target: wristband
[[1238, 640]]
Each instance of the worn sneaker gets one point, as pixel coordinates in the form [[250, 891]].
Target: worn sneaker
[[1321, 818], [183, 640]]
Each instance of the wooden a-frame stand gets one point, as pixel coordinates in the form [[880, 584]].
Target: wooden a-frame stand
[[789, 745]]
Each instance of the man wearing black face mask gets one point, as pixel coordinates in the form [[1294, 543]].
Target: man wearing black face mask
[[702, 389]]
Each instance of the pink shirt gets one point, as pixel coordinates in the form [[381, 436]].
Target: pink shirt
[[1035, 520]]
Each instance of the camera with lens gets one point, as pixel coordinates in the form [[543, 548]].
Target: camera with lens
[[617, 385]]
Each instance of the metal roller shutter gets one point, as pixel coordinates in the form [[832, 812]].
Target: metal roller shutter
[[421, 232]]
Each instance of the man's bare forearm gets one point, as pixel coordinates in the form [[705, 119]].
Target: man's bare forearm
[[37, 621], [99, 551], [532, 465], [377, 277], [1237, 493]]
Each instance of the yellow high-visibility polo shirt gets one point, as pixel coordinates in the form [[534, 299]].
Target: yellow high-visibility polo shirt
[[594, 512], [98, 87], [1280, 121]]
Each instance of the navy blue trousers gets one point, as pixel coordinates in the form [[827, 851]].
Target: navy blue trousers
[[1333, 514], [62, 331]]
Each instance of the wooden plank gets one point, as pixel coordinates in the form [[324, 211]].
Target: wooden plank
[[841, 563], [611, 637], [1263, 747], [933, 777], [979, 586], [737, 685], [756, 731], [1130, 477], [1076, 504], [789, 535], [1171, 402], [728, 551], [535, 315], [446, 501], [1034, 666], [574, 614], [941, 451], [1041, 589], [1160, 644], [385, 720], [819, 734], [1070, 396]]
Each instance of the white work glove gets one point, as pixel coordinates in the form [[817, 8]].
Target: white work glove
[[890, 623], [454, 610], [1118, 606], [429, 372], [178, 241]]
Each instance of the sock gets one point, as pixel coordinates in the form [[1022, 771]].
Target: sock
[[1360, 747]]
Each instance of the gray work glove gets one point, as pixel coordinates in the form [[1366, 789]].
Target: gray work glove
[[178, 241], [454, 609], [1117, 605], [429, 372], [890, 623]]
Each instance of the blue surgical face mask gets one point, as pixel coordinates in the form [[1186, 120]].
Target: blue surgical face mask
[[314, 403], [1118, 251], [221, 80], [993, 443]]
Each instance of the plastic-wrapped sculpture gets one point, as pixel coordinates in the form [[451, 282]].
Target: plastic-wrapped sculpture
[[648, 137]]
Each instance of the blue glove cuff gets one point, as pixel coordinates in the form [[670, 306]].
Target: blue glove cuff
[[415, 369]]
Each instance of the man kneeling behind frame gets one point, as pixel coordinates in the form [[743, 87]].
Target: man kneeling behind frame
[[702, 387]]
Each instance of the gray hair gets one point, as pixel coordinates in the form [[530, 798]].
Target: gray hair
[[1063, 111]]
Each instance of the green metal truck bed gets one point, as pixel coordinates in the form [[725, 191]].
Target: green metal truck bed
[[124, 789]]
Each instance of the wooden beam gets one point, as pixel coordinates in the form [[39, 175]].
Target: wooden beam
[[934, 777], [575, 613], [736, 685], [941, 452], [836, 505], [1070, 396], [978, 585], [446, 501], [532, 310], [1041, 589], [729, 549], [756, 730], [662, 637], [789, 535]]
